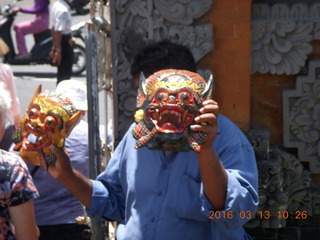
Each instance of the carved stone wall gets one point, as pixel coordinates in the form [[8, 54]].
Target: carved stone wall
[[135, 22], [284, 184], [282, 35], [301, 114]]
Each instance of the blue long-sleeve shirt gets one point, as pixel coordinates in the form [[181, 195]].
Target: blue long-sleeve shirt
[[162, 198]]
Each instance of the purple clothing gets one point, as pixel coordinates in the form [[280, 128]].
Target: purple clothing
[[54, 197], [16, 187], [41, 23], [41, 6], [6, 140]]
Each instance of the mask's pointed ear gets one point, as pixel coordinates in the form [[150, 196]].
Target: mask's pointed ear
[[35, 95], [70, 124], [142, 91], [207, 92], [142, 84]]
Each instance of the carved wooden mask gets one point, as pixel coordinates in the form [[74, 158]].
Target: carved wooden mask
[[49, 119], [168, 101]]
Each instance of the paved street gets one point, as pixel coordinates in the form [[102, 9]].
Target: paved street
[[27, 78]]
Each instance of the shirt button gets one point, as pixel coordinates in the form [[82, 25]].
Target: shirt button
[[164, 166], [159, 193], [152, 219]]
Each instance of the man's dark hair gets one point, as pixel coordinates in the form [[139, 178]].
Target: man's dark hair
[[162, 55]]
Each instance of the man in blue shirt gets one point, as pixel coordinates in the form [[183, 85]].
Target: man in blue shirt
[[173, 195]]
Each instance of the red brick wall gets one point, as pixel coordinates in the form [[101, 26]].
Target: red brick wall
[[230, 59]]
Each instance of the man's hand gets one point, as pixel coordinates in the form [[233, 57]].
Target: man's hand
[[56, 58], [62, 167], [207, 122], [74, 181]]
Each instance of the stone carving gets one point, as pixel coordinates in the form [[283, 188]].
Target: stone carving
[[301, 114], [136, 22], [296, 182], [316, 201], [282, 35], [284, 184]]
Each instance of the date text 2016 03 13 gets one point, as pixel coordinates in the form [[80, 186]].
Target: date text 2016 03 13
[[259, 215]]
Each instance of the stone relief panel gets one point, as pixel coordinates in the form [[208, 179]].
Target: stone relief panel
[[281, 36], [284, 184], [301, 117], [136, 22]]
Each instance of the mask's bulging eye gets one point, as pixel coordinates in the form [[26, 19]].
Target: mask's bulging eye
[[185, 97], [160, 96], [50, 122], [33, 113]]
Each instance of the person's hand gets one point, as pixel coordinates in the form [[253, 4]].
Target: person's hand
[[207, 122], [56, 58], [62, 167], [51, 54], [15, 9]]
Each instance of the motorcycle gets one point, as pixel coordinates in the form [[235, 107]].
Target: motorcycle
[[39, 53], [78, 6]]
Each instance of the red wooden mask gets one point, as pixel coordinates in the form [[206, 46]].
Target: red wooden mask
[[168, 101]]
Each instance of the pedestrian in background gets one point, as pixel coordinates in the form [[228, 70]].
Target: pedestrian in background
[[37, 25], [62, 50], [64, 208], [6, 128], [6, 76], [17, 189]]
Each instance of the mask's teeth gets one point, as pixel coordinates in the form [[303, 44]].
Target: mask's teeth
[[184, 117], [32, 138]]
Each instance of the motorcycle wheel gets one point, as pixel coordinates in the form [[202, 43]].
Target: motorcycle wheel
[[79, 60]]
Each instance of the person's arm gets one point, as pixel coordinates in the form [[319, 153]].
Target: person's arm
[[22, 217], [40, 6], [51, 54], [56, 54], [212, 171], [103, 197], [229, 174], [74, 181]]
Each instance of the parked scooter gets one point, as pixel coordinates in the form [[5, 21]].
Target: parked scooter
[[39, 53]]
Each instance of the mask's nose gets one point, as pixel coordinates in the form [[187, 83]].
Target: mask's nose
[[172, 99]]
